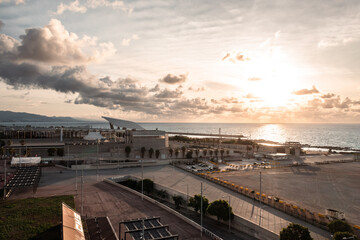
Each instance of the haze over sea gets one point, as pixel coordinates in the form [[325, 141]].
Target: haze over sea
[[336, 135]]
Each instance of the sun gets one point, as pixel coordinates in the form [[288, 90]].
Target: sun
[[272, 78]]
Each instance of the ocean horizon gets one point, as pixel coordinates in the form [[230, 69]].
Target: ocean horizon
[[314, 134]]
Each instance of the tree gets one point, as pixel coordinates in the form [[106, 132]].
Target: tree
[[148, 185], [220, 209], [295, 232], [227, 152], [189, 154], [197, 152], [216, 152], [143, 150], [51, 151], [344, 235], [171, 152], [204, 152], [163, 194], [222, 153], [127, 151], [157, 153], [339, 226], [178, 200], [151, 152], [176, 153], [183, 149], [211, 153], [195, 202]]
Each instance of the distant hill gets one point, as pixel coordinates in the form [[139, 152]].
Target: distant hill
[[8, 116]]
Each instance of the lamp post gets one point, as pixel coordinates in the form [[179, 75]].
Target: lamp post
[[142, 179], [201, 211], [5, 179], [260, 200], [82, 181]]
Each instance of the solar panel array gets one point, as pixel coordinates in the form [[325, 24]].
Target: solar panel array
[[25, 177], [100, 229], [153, 229]]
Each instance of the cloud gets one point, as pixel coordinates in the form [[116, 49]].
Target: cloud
[[168, 94], [126, 41], [1, 24], [54, 44], [17, 2], [173, 79], [235, 57], [200, 89], [254, 79], [77, 7], [306, 91], [335, 41], [72, 7], [328, 95]]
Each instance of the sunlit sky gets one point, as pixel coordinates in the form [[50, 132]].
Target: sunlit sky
[[182, 61]]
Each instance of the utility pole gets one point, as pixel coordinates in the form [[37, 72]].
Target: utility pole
[[82, 181], [76, 174], [5, 178], [97, 156], [229, 215], [260, 199], [201, 211], [142, 179]]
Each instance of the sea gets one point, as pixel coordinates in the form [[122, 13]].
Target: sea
[[335, 135]]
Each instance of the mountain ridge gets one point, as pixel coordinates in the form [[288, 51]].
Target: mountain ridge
[[9, 116]]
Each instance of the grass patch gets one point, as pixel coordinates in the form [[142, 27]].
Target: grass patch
[[32, 218]]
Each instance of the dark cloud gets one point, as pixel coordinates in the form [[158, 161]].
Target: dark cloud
[[106, 80], [306, 91], [254, 79], [173, 79]]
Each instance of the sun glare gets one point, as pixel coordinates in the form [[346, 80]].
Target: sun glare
[[269, 78]]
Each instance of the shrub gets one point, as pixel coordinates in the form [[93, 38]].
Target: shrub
[[295, 232], [344, 235], [178, 200], [148, 186], [339, 226], [195, 202], [220, 209]]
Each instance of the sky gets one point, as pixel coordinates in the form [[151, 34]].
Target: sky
[[241, 61]]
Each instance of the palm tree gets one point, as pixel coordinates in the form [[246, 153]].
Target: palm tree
[[143, 150], [222, 153], [204, 152], [176, 152], [151, 152], [183, 149], [171, 151], [197, 152], [157, 153], [216, 152], [127, 151], [211, 152]]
